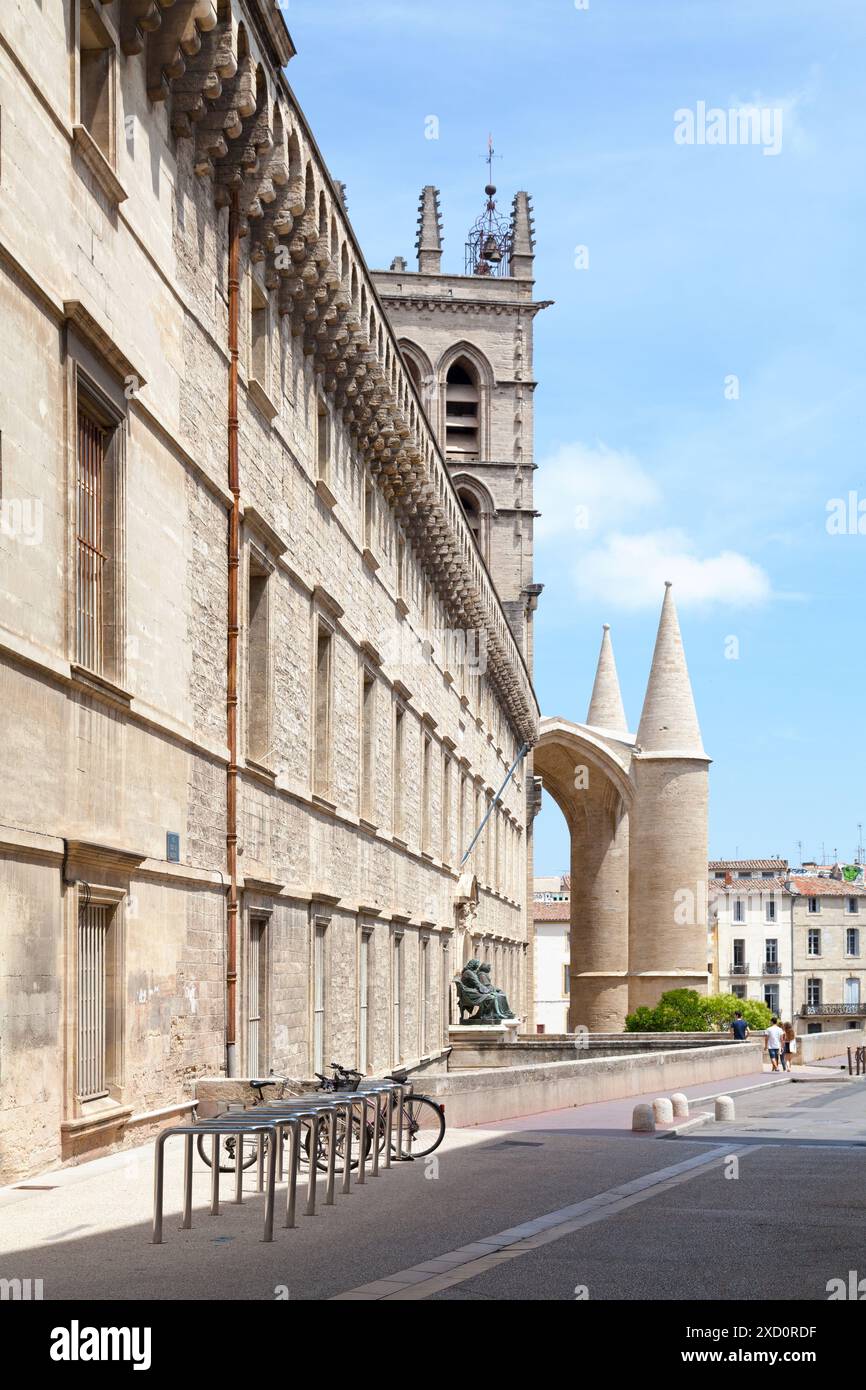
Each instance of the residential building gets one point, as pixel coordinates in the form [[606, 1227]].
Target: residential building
[[552, 914]]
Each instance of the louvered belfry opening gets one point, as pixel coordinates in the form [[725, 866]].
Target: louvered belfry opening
[[462, 411], [93, 928], [91, 555]]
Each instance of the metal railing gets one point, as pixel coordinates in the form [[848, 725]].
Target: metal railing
[[739, 967], [842, 1010]]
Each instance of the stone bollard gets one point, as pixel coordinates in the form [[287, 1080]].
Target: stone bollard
[[724, 1108], [663, 1111], [681, 1106], [643, 1121]]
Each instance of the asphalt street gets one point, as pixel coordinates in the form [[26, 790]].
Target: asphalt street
[[772, 1205]]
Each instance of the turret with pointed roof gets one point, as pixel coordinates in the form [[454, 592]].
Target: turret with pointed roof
[[669, 720], [605, 707], [667, 898]]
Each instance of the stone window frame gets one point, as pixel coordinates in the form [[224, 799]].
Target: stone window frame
[[116, 897], [849, 954], [446, 986], [256, 912], [425, 787], [101, 163], [485, 507], [814, 955], [399, 716], [260, 373], [397, 993], [91, 381], [259, 566], [320, 924], [366, 932], [370, 520], [367, 799], [772, 988], [321, 729], [425, 936], [323, 459]]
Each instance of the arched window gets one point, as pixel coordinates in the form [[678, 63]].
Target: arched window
[[462, 432], [414, 370], [478, 509], [472, 510]]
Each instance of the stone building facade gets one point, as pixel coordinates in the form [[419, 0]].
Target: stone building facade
[[258, 686], [829, 951], [792, 939]]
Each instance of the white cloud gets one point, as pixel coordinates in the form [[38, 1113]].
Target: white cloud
[[583, 489], [794, 134], [629, 571]]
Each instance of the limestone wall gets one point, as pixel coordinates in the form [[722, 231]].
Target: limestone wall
[[479, 1097], [119, 762]]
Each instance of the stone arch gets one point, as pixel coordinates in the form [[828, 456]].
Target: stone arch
[[478, 508], [591, 784], [418, 364], [464, 379]]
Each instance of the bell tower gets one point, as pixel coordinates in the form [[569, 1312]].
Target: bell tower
[[468, 341]]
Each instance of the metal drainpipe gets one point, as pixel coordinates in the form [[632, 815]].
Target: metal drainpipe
[[232, 647]]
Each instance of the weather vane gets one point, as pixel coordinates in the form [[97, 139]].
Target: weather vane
[[488, 249]]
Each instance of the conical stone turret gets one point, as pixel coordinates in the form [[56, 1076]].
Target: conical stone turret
[[668, 851], [605, 707], [669, 720]]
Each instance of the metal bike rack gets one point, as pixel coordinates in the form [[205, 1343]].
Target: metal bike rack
[[216, 1129], [272, 1120]]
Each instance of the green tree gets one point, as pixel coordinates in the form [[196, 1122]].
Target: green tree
[[686, 1011]]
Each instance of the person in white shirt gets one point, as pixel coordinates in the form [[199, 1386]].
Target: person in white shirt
[[774, 1043]]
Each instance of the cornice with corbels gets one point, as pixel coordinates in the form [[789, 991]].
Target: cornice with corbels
[[251, 140]]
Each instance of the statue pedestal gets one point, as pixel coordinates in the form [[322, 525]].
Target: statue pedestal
[[481, 1044]]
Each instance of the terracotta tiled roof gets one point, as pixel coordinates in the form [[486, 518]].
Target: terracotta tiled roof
[[827, 888], [743, 886], [551, 912], [780, 865]]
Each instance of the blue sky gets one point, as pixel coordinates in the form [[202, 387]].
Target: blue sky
[[706, 262]]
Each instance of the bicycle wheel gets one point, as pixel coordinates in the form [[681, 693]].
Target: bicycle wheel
[[324, 1141], [227, 1142], [423, 1126]]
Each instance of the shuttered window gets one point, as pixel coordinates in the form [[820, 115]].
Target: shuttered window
[[93, 928], [90, 542], [258, 985]]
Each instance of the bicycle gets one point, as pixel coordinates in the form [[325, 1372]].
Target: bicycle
[[420, 1113], [204, 1143]]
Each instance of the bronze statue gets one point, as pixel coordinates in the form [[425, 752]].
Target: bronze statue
[[502, 1006], [479, 1001]]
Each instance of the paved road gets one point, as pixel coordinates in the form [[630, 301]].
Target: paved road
[[536, 1209]]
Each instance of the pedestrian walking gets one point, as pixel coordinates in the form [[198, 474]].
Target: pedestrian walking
[[775, 1037], [788, 1043], [739, 1027]]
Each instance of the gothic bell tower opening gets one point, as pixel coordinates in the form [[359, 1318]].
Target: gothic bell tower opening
[[468, 340]]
